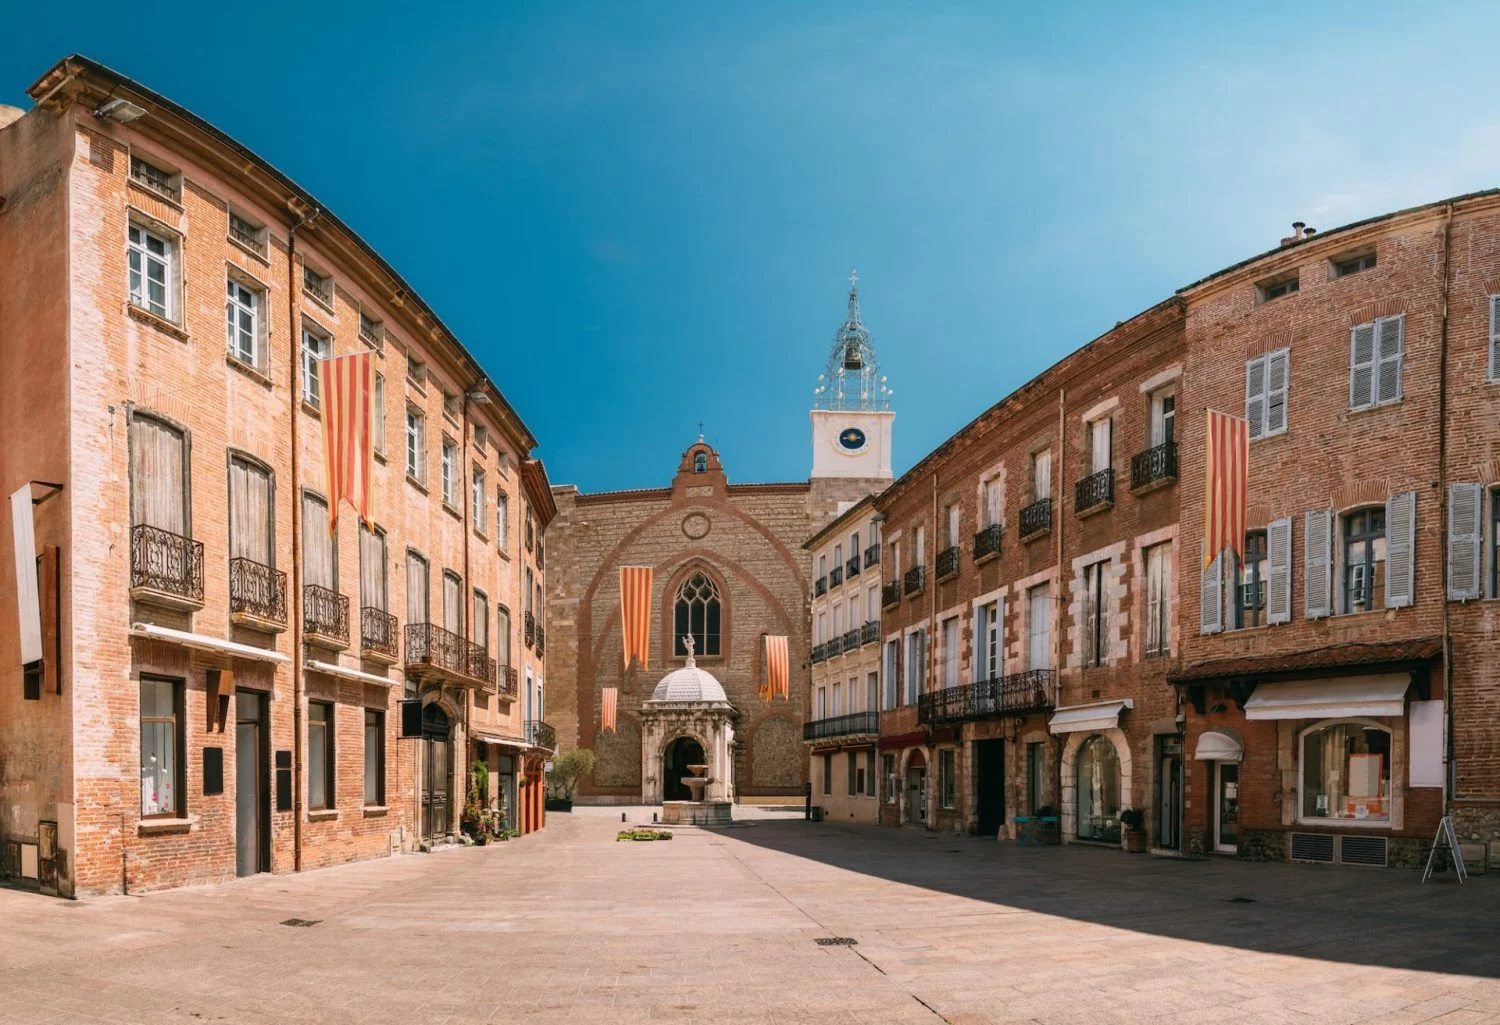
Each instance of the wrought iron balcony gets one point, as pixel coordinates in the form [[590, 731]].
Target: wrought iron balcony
[[851, 639], [872, 556], [820, 587], [1016, 694], [247, 238], [819, 653], [987, 542], [539, 734], [947, 562], [869, 633], [1095, 490], [890, 594], [1154, 466], [541, 640], [836, 576], [528, 630], [377, 633], [835, 646], [851, 725], [325, 616], [432, 651], [916, 579], [1036, 518], [165, 568], [257, 595], [506, 681], [481, 666], [851, 568]]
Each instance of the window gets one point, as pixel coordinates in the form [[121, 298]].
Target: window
[[320, 765], [1163, 418], [158, 475], [242, 322], [823, 568], [950, 652], [1041, 475], [951, 525], [453, 603], [700, 462], [992, 502], [1495, 338], [450, 406], [892, 670], [371, 331], [1101, 445], [827, 774], [319, 546], [1039, 627], [838, 700], [482, 621], [153, 260], [416, 371], [872, 699], [529, 526], [1250, 582], [1036, 775], [1344, 266], [158, 180], [888, 773], [867, 784], [1495, 544], [919, 545], [315, 348], [372, 571], [502, 635], [1376, 352], [1364, 560], [374, 757], [1158, 599], [1265, 392], [449, 468], [838, 557], [247, 233], [379, 439], [916, 666], [250, 519], [838, 623], [476, 498], [417, 584], [820, 706], [161, 748], [1345, 772], [872, 605], [481, 438], [1095, 615], [416, 445], [502, 520], [698, 613], [317, 285], [947, 778], [1275, 288], [855, 783], [987, 654], [1098, 784]]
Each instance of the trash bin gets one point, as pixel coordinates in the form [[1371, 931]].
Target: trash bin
[[817, 813]]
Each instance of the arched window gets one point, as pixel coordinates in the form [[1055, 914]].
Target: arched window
[[1345, 772], [1098, 791], [700, 462], [698, 613]]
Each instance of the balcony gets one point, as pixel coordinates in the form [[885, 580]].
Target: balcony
[[916, 579], [541, 556], [506, 681], [835, 646], [947, 563], [851, 568], [1017, 694], [257, 596], [890, 594], [1154, 468], [853, 725], [325, 617], [541, 640], [242, 234], [851, 640], [836, 576], [1094, 493], [539, 734], [869, 633], [872, 556], [819, 653], [165, 569], [481, 666], [528, 630], [1036, 519], [433, 653], [987, 543], [377, 634], [820, 587]]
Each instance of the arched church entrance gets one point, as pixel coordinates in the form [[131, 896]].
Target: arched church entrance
[[680, 753], [437, 760]]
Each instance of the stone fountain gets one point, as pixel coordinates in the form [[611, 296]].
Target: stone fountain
[[690, 703]]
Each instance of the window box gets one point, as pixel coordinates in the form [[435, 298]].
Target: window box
[[161, 324]]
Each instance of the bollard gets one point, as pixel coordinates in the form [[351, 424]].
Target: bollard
[[653, 816], [622, 816]]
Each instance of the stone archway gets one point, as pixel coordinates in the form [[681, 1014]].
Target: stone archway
[[913, 786], [1068, 774], [676, 756]]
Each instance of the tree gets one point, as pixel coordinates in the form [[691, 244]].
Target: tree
[[567, 770]]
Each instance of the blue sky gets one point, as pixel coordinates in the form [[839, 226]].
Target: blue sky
[[640, 216]]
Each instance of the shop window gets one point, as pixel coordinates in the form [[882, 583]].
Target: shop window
[[827, 775], [947, 783], [1098, 791], [1345, 772], [888, 773], [161, 747]]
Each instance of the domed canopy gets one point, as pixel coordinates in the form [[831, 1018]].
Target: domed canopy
[[689, 683]]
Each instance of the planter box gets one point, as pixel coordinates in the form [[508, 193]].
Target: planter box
[[559, 804], [1038, 831]]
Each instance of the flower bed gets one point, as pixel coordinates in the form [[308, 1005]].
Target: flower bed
[[643, 834]]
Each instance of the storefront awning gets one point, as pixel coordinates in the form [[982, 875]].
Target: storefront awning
[[313, 665], [203, 642], [1335, 697], [1101, 715], [499, 740], [1221, 745]]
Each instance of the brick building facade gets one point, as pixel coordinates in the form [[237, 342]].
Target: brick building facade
[[223, 681]]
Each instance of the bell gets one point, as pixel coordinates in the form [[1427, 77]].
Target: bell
[[852, 358]]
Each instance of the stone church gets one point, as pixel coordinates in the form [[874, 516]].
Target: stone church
[[728, 570]]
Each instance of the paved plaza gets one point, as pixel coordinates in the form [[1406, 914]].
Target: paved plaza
[[569, 926]]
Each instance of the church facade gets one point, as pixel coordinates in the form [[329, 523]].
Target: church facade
[[728, 570]]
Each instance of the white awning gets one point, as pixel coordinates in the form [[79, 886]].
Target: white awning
[[313, 665], [1101, 715], [499, 740], [1221, 745], [203, 642], [1335, 697]]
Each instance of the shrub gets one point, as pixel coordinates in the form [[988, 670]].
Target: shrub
[[567, 770]]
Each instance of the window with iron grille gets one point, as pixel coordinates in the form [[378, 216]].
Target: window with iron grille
[[374, 757]]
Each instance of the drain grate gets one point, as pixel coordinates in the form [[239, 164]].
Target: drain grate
[[302, 923], [1242, 900], [835, 941]]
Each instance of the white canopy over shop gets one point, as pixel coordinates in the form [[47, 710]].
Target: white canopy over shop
[[1220, 745], [1100, 715], [1337, 697]]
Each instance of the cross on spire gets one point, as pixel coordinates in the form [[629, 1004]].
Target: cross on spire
[[700, 430], [853, 278]]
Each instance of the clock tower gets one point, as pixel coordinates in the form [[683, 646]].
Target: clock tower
[[851, 416]]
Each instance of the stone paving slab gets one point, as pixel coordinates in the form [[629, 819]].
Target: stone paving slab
[[568, 926]]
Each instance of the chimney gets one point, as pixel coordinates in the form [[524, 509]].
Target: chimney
[[1296, 235], [1309, 232]]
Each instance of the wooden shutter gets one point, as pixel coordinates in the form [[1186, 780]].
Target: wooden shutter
[[502, 635], [1400, 549], [416, 588], [453, 616], [1279, 584], [158, 481], [481, 621], [1255, 396], [1100, 430], [372, 583], [1317, 558], [1392, 346], [317, 545], [379, 439], [249, 512], [1211, 595], [1362, 366], [1465, 526], [1495, 338], [1278, 366]]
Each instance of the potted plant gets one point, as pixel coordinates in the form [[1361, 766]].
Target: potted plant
[[1134, 822], [563, 777]]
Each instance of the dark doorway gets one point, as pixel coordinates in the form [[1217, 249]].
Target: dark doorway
[[1169, 793], [989, 786], [681, 753], [252, 784], [437, 758]]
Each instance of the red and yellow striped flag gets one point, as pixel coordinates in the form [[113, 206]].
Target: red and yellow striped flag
[[346, 386], [608, 703], [635, 612], [1227, 459], [778, 674]]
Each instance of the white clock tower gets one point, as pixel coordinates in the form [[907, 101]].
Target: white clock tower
[[851, 416]]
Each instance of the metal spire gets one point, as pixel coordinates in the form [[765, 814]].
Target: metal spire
[[852, 378]]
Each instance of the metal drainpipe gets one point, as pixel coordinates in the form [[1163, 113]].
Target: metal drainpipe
[[466, 502], [1058, 476], [1450, 774]]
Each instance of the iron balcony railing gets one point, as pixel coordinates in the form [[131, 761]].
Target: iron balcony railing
[[890, 594], [916, 579], [947, 562], [166, 562], [480, 665], [820, 587], [851, 568], [256, 590], [851, 639], [528, 630], [1016, 694], [835, 646], [249, 239], [836, 576], [318, 289], [1153, 465], [325, 613], [506, 679], [841, 726], [987, 542], [869, 633], [1094, 490], [155, 179], [377, 631], [1036, 518], [428, 644], [541, 640], [819, 653], [872, 556], [539, 734]]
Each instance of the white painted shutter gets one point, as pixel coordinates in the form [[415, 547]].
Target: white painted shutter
[[1362, 366], [1279, 586], [1211, 597], [1465, 525], [1043, 475], [1495, 338], [1101, 439], [1317, 558], [1255, 396], [1278, 365], [1400, 550], [1392, 341]]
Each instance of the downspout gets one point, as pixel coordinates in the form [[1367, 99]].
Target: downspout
[[1058, 476], [933, 634], [1449, 774], [466, 503]]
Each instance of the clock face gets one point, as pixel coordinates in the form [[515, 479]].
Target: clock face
[[852, 439]]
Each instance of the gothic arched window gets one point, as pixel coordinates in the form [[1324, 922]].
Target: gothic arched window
[[700, 462], [698, 613]]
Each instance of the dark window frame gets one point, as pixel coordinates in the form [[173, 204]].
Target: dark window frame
[[1257, 555], [710, 628], [375, 718], [327, 726], [178, 732], [1360, 540]]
